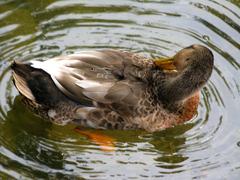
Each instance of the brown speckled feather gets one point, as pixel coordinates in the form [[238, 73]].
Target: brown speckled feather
[[112, 89]]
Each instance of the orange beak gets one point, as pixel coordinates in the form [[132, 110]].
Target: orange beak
[[165, 63]]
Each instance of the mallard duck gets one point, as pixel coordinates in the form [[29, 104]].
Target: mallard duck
[[113, 89]]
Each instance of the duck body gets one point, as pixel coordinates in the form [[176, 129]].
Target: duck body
[[110, 89]]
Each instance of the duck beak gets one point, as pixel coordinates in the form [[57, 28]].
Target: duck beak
[[165, 63]]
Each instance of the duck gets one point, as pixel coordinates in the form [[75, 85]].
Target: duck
[[115, 89]]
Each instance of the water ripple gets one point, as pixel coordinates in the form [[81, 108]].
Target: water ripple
[[205, 147]]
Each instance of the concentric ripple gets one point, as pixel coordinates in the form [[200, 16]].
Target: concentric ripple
[[207, 147]]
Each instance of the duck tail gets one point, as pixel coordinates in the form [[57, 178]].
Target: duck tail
[[21, 75], [35, 84]]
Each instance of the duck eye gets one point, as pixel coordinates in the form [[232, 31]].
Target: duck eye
[[188, 59]]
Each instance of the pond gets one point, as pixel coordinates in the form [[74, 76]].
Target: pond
[[207, 147]]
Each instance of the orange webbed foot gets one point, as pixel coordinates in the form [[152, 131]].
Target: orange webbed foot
[[105, 142]]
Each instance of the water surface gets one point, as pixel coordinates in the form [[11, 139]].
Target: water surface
[[207, 147]]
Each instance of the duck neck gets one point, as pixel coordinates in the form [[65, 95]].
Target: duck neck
[[181, 86]]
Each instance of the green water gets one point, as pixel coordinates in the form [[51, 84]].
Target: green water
[[207, 147]]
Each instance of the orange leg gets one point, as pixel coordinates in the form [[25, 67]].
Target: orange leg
[[106, 143]]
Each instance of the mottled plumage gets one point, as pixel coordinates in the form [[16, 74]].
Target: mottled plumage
[[112, 89]]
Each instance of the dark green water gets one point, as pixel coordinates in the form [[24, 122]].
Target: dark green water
[[207, 147]]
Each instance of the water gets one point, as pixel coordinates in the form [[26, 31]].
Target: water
[[207, 147]]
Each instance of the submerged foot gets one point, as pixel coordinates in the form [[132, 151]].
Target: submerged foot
[[106, 143]]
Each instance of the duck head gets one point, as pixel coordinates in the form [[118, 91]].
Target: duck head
[[195, 55], [185, 58], [193, 66]]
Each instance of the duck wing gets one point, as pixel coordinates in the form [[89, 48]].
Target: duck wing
[[107, 76]]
